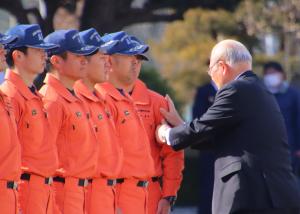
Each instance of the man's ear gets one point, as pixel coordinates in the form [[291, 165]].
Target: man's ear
[[56, 61], [109, 61], [224, 67], [17, 55]]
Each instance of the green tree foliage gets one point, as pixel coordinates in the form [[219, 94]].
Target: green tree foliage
[[154, 81], [184, 50], [157, 83]]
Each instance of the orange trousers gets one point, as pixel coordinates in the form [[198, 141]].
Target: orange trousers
[[132, 198], [154, 196], [36, 196], [70, 198], [101, 197], [8, 199]]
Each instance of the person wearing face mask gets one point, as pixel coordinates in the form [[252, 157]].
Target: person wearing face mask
[[288, 99]]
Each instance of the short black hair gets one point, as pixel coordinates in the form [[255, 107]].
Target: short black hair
[[49, 66], [9, 59], [273, 64]]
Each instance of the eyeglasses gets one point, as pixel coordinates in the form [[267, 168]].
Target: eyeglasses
[[209, 71]]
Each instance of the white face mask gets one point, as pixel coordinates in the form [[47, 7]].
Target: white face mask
[[273, 80]]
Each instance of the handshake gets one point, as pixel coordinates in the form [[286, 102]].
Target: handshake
[[171, 119]]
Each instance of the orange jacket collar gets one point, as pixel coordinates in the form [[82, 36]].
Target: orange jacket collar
[[60, 88], [83, 90], [19, 84], [140, 93], [108, 88]]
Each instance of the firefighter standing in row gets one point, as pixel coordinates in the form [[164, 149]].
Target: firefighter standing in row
[[168, 164], [26, 58], [137, 166], [165, 182], [101, 193], [10, 155], [72, 128]]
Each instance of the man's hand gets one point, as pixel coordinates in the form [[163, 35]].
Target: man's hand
[[161, 132], [171, 116], [163, 207]]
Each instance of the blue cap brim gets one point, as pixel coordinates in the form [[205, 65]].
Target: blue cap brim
[[140, 51], [6, 39], [86, 50], [45, 46], [143, 57]]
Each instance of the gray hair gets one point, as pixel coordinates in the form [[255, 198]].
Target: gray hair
[[231, 51]]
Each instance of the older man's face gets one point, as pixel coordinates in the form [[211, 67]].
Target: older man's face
[[220, 72], [215, 71]]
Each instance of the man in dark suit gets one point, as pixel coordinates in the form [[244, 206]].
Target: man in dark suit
[[246, 130]]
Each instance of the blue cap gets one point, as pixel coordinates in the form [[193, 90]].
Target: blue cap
[[6, 39], [138, 43], [125, 44], [114, 36], [28, 36], [92, 37], [69, 40]]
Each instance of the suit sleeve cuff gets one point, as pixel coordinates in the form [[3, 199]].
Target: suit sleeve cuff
[[168, 136]]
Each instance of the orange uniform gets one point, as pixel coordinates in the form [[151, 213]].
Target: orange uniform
[[10, 159], [39, 156], [76, 144], [137, 164], [102, 191], [168, 163]]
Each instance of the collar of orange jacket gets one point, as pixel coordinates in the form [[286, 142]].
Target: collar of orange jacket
[[59, 87], [20, 85]]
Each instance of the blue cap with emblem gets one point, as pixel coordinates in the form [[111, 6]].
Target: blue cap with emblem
[[92, 37], [69, 40], [125, 44], [6, 39], [28, 35]]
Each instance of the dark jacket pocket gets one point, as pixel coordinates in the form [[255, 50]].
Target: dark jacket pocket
[[229, 170]]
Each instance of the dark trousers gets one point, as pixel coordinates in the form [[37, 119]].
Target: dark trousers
[[206, 181], [270, 211]]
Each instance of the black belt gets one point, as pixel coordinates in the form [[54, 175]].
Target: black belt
[[110, 182], [59, 179], [81, 182], [140, 183], [26, 177], [120, 180], [155, 179], [12, 185]]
